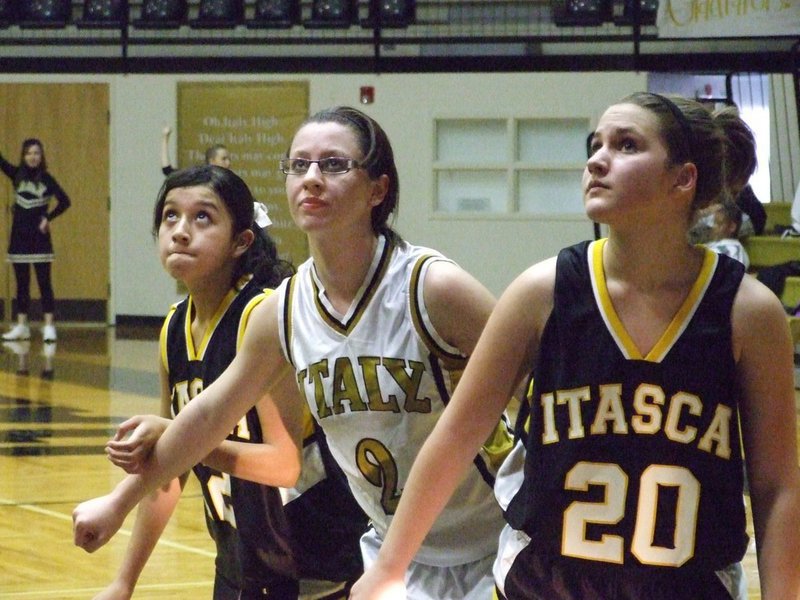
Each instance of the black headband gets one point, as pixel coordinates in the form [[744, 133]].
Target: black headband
[[341, 113], [683, 122]]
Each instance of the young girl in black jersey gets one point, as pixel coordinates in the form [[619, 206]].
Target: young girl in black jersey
[[210, 239], [30, 242], [644, 353]]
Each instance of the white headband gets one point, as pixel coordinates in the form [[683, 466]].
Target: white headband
[[261, 215]]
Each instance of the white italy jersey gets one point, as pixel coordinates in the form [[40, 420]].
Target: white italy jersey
[[377, 379]]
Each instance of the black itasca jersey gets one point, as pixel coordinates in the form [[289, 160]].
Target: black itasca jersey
[[326, 521], [246, 520], [633, 465]]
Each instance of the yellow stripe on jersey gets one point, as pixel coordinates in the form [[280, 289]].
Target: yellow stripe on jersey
[[287, 317], [196, 352], [613, 322], [676, 326], [245, 317], [498, 445], [687, 309], [529, 401], [162, 338]]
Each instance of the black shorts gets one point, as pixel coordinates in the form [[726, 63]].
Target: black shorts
[[543, 579], [284, 589], [225, 589]]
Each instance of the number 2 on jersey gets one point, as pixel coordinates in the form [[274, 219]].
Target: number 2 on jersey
[[377, 465], [219, 490]]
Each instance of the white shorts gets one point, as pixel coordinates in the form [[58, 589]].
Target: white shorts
[[469, 581]]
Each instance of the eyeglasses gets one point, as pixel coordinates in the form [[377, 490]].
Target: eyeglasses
[[332, 165]]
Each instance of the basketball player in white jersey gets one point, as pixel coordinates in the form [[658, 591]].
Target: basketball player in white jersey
[[375, 331]]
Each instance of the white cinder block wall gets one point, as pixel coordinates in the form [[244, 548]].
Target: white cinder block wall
[[494, 249]]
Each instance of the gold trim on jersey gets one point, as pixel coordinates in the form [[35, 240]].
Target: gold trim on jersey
[[162, 337], [288, 301], [196, 351], [344, 328], [498, 445], [414, 296], [527, 401], [309, 428], [244, 319], [676, 326]]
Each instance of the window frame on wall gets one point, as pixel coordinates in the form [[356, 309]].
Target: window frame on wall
[[509, 167]]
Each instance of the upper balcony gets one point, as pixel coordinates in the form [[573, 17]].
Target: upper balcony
[[362, 36]]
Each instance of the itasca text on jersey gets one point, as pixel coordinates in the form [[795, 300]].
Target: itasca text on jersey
[[653, 412]]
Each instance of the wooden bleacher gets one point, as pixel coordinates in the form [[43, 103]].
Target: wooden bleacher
[[768, 250], [778, 214], [771, 249]]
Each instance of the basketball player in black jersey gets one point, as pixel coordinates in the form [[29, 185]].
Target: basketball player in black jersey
[[645, 355], [210, 241]]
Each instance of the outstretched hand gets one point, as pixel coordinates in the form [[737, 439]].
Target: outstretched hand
[[134, 441], [376, 585], [94, 522]]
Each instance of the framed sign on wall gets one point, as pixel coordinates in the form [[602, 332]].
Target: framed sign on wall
[[255, 122]]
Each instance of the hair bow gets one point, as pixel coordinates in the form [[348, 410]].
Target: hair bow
[[261, 215]]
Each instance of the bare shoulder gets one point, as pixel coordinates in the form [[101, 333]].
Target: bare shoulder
[[511, 341], [539, 278], [457, 303], [754, 295], [756, 307], [262, 325], [266, 311], [534, 287], [761, 334], [448, 283]]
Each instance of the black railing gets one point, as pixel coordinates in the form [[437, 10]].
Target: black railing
[[361, 36]]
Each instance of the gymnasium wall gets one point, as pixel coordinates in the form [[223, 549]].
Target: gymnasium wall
[[494, 248]]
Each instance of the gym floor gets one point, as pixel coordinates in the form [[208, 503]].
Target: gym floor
[[59, 403]]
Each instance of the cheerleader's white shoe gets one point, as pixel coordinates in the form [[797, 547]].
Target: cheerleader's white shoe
[[18, 332], [49, 333]]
